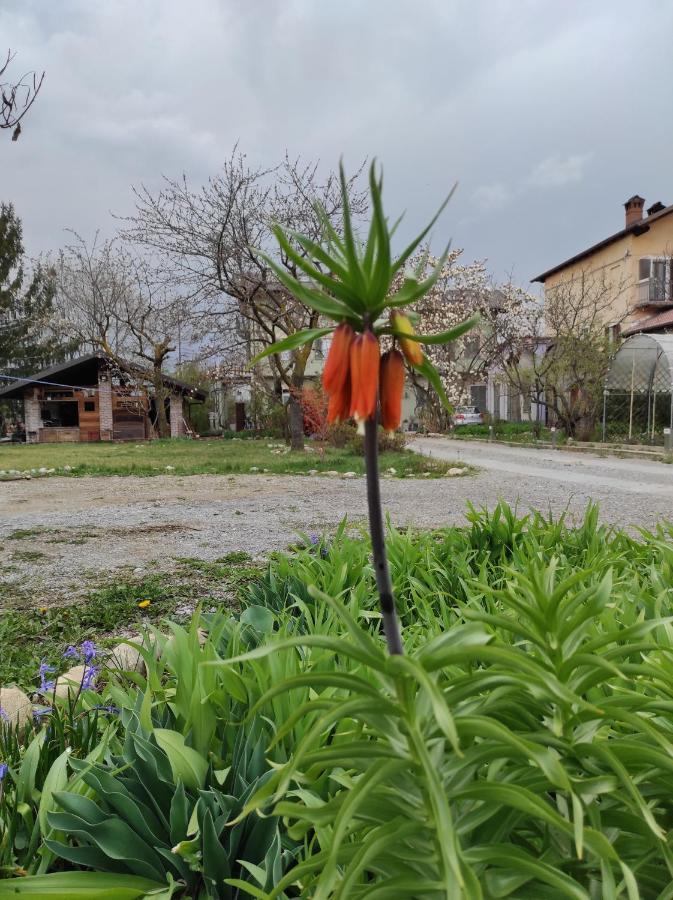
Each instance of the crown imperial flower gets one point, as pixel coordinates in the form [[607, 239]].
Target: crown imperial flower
[[364, 371], [392, 389]]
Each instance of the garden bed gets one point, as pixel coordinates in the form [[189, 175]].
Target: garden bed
[[522, 747]]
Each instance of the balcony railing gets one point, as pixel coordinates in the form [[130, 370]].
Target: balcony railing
[[655, 291]]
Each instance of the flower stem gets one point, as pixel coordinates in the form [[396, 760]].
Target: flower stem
[[391, 624]]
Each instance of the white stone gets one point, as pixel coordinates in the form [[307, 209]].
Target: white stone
[[42, 470], [15, 705], [70, 682], [391, 471], [312, 472], [170, 468], [350, 474], [455, 471], [254, 468], [67, 468], [127, 657]]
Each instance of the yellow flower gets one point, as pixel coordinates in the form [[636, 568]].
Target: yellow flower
[[411, 349], [144, 604]]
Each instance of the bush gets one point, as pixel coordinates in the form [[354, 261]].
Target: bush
[[521, 748]]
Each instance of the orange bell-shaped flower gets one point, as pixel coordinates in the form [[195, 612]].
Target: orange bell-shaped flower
[[337, 363], [365, 361], [411, 349], [392, 389], [339, 406]]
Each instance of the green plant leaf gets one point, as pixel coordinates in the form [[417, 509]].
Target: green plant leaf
[[427, 369], [442, 337], [298, 339], [87, 885], [186, 764]]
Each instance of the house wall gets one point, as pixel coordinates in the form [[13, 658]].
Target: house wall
[[618, 262]]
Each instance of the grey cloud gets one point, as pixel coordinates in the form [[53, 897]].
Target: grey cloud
[[557, 171], [505, 96]]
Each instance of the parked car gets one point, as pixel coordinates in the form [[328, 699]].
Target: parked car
[[467, 415]]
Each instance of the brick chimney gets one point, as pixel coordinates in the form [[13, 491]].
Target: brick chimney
[[634, 209]]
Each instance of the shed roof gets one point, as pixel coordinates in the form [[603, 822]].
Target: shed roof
[[83, 372]]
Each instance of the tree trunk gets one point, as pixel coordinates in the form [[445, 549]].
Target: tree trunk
[[295, 413], [160, 403]]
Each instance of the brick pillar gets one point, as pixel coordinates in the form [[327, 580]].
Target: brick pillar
[[105, 408], [33, 417], [177, 424]]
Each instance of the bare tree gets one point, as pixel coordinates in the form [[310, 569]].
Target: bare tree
[[562, 357], [16, 98], [207, 239], [112, 301]]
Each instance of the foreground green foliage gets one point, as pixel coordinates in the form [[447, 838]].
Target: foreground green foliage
[[205, 457], [522, 748]]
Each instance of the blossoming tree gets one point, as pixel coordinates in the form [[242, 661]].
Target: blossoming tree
[[460, 292]]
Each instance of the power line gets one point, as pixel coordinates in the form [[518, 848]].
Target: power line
[[27, 380]]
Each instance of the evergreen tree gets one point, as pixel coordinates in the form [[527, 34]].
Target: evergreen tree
[[26, 304]]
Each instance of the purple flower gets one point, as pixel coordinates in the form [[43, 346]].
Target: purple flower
[[89, 651], [3, 770], [90, 673], [3, 715], [71, 653], [314, 538], [46, 685]]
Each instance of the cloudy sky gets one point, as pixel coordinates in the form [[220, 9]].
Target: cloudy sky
[[549, 113]]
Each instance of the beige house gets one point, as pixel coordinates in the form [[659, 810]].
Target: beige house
[[636, 266]]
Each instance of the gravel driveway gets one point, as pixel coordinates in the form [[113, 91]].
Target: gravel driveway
[[74, 526]]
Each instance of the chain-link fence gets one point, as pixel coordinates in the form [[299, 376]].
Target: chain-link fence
[[638, 396]]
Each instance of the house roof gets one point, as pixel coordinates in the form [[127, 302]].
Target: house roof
[[636, 229], [82, 372], [651, 323]]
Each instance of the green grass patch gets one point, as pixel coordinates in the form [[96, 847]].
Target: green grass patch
[[24, 534], [28, 555], [30, 635], [207, 457]]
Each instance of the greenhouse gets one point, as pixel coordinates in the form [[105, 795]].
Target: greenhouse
[[637, 400]]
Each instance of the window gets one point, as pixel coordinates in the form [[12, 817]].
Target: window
[[612, 332], [478, 396], [89, 406], [655, 280]]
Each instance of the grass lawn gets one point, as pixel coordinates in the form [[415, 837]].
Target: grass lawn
[[112, 608], [204, 457]]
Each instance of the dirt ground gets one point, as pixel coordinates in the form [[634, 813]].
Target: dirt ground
[[56, 533]]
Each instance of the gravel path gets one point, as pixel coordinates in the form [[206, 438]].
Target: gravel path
[[83, 525]]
